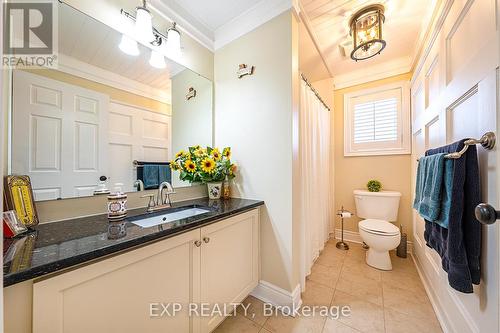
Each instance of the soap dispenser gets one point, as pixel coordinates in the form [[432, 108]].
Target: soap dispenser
[[117, 203]]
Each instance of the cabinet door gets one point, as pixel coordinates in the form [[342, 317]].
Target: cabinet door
[[115, 295], [229, 262]]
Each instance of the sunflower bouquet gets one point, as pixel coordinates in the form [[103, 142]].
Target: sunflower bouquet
[[204, 165]]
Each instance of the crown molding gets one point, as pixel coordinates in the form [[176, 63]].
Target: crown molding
[[247, 21], [376, 72], [187, 23]]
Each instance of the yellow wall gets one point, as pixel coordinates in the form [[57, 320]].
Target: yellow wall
[[113, 93], [394, 171]]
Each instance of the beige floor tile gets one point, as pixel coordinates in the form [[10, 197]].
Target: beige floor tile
[[404, 280], [255, 310], [286, 324], [238, 324], [355, 268], [316, 294], [330, 259], [335, 326], [358, 285], [365, 316], [396, 322], [325, 275], [410, 302]]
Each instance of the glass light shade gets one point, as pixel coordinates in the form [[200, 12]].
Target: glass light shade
[[157, 60], [366, 30], [173, 47], [129, 46], [144, 25]]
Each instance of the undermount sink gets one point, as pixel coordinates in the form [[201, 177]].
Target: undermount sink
[[178, 214]]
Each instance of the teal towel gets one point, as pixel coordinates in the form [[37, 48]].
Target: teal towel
[[164, 173], [446, 194], [151, 176], [429, 182]]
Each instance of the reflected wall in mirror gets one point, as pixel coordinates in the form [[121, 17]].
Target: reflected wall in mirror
[[77, 131]]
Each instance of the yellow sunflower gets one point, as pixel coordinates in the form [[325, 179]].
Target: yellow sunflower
[[208, 165], [179, 154], [174, 166], [190, 166], [216, 154], [227, 153]]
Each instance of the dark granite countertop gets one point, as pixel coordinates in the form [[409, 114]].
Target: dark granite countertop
[[51, 247]]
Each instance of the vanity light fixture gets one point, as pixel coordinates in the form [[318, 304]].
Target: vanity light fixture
[[144, 23], [129, 46], [366, 31], [157, 60]]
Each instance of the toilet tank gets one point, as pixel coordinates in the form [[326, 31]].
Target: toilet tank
[[381, 205]]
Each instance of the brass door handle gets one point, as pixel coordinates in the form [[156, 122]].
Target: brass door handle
[[206, 239], [197, 243]]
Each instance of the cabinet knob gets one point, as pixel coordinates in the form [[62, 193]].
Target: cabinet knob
[[197, 243], [206, 239], [486, 214]]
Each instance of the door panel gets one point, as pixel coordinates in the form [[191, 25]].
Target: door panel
[[460, 76], [64, 152]]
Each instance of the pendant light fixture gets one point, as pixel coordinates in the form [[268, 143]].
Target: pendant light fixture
[[144, 23], [173, 47], [129, 46], [157, 60], [366, 30]]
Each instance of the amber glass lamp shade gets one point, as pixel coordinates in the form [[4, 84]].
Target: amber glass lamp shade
[[366, 30]]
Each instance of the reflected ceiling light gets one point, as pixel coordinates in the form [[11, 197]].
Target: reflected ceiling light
[[366, 31], [144, 23], [173, 47], [157, 60], [129, 46]]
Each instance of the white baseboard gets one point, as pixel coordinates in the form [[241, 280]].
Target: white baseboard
[[354, 237], [269, 293], [436, 304]]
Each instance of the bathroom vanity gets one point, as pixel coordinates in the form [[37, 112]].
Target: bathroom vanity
[[89, 275]]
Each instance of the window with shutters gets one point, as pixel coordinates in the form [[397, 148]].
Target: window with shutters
[[377, 121]]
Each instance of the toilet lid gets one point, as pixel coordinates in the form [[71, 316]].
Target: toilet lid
[[379, 227]]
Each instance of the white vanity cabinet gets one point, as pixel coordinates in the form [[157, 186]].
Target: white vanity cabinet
[[217, 263]]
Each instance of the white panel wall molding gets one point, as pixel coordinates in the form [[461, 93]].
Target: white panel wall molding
[[84, 70], [387, 69], [259, 14], [269, 293]]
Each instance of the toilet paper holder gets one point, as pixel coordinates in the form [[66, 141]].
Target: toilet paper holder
[[344, 214]]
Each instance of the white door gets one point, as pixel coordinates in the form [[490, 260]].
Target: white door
[[229, 263], [454, 96], [136, 134], [58, 137]]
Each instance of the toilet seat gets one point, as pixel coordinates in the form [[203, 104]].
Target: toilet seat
[[379, 227]]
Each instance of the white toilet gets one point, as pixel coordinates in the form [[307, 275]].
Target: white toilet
[[378, 209]]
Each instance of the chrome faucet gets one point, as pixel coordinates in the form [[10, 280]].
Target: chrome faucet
[[139, 184], [160, 199]]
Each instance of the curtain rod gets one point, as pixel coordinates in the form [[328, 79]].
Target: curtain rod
[[314, 91]]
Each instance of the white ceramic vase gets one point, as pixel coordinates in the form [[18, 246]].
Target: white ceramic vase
[[214, 190]]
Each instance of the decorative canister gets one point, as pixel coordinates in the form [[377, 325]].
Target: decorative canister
[[117, 229], [214, 190], [117, 205]]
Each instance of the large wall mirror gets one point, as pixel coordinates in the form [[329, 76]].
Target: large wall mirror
[[103, 119]]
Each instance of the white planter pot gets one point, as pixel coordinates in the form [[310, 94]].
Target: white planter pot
[[214, 190]]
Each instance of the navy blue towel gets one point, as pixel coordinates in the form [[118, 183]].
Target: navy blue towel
[[151, 176], [460, 245]]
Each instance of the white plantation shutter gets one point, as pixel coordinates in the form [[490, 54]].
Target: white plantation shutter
[[377, 121]]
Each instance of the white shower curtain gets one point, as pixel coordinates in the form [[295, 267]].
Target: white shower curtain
[[315, 177]]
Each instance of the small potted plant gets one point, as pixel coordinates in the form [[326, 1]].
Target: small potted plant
[[374, 185], [205, 165]]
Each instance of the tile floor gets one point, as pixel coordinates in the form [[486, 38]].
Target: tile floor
[[380, 301]]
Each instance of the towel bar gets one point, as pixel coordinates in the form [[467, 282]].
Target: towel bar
[[488, 141]]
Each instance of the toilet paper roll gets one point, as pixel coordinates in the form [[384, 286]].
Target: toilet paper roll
[[345, 215]]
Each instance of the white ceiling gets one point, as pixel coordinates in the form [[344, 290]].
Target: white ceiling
[[92, 42], [215, 13], [405, 20]]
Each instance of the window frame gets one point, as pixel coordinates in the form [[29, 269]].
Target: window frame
[[402, 146]]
